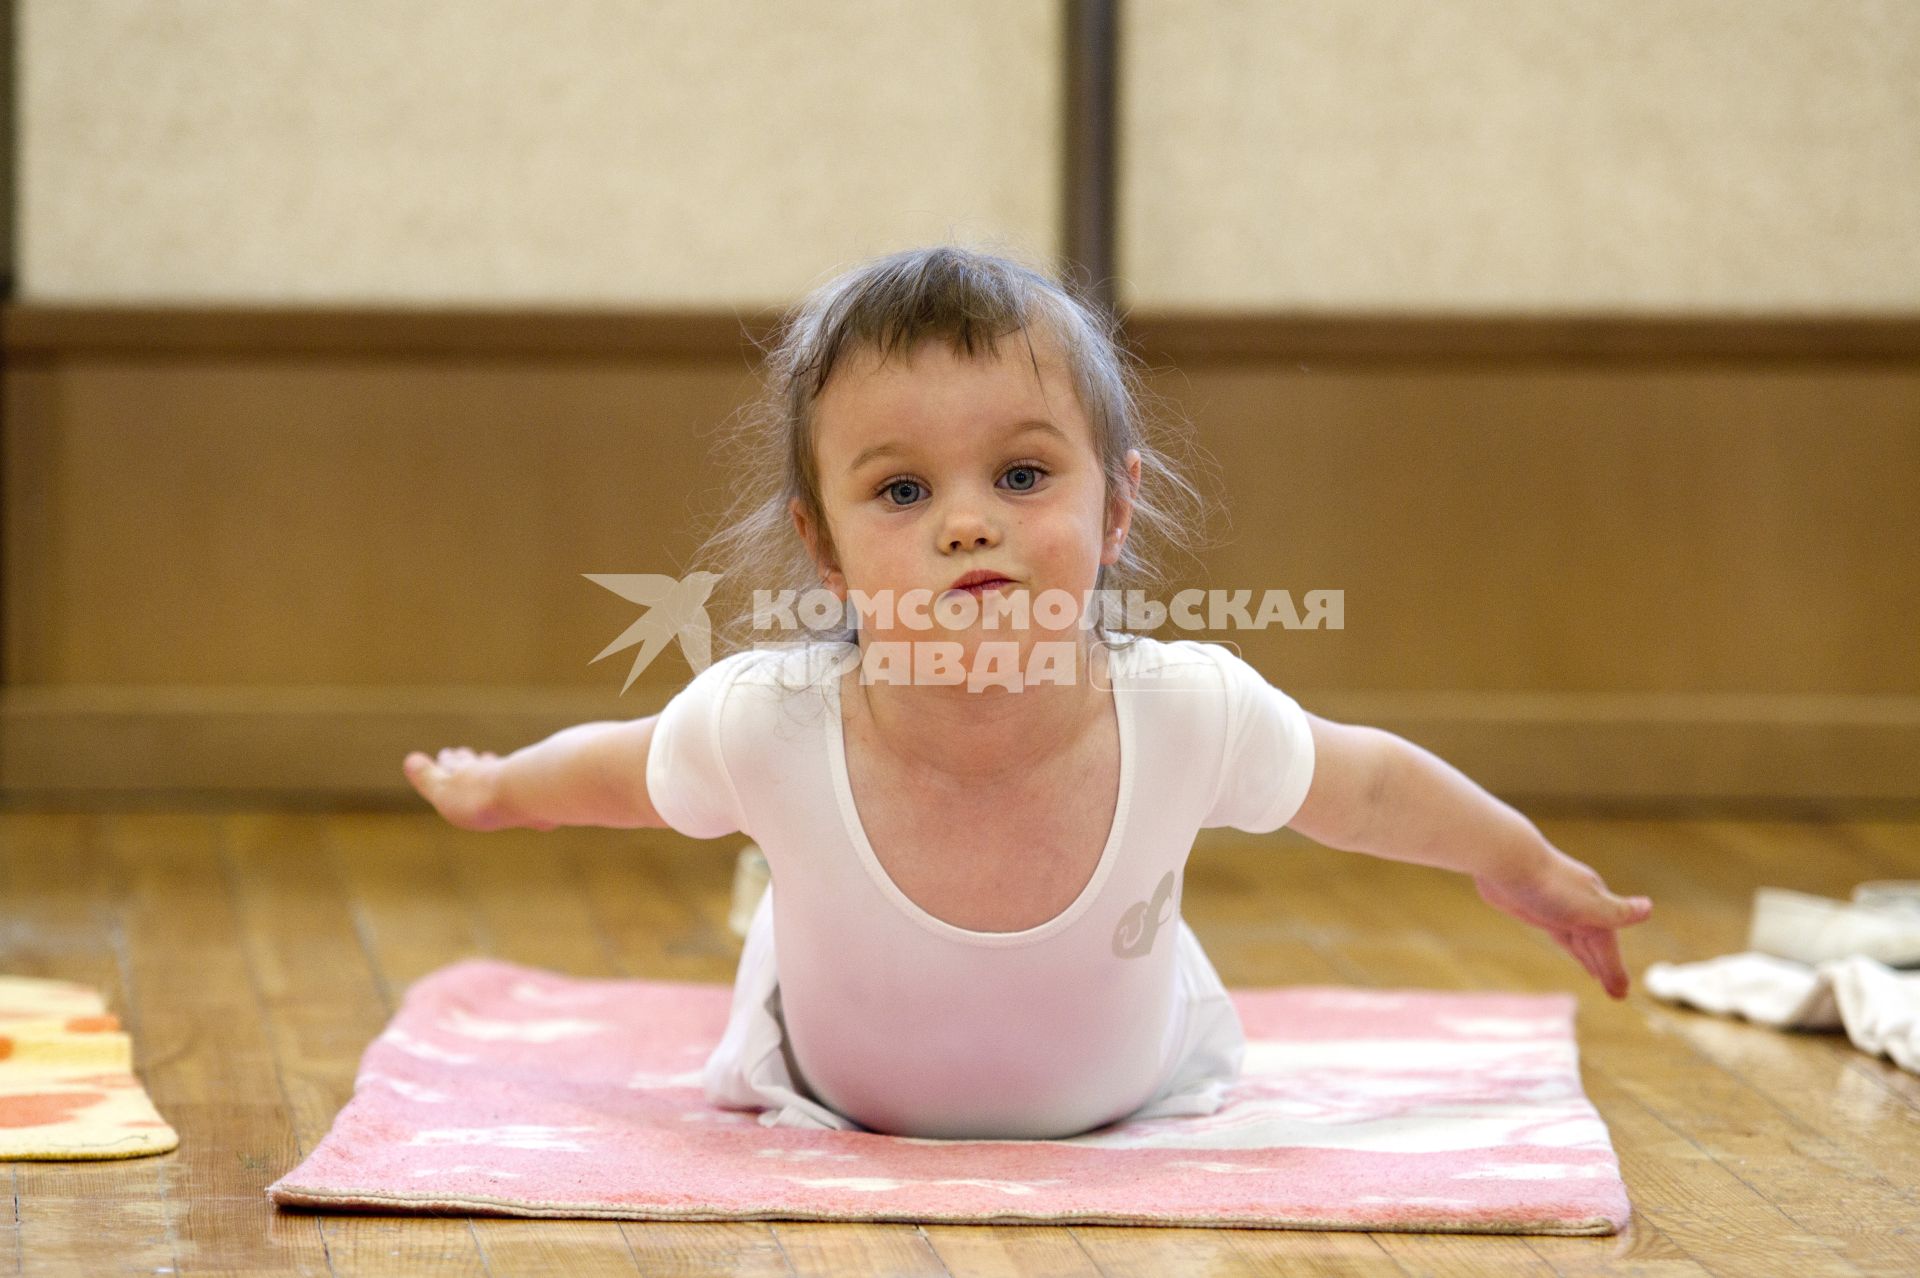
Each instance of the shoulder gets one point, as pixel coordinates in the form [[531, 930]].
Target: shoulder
[[1218, 682], [733, 703], [789, 667], [1190, 662], [759, 682], [711, 682], [771, 663]]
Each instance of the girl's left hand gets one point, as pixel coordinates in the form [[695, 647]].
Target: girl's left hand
[[1572, 903]]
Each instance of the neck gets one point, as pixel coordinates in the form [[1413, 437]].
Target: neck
[[946, 733]]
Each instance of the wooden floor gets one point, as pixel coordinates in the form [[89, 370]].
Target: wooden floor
[[255, 955]]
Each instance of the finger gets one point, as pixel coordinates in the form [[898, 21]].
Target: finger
[[1578, 945], [1589, 958], [1567, 942], [1609, 911], [1604, 951], [423, 772], [1616, 967], [1584, 955]]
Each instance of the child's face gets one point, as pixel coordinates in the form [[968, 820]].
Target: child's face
[[931, 468]]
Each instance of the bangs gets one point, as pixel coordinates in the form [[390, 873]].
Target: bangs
[[899, 303]]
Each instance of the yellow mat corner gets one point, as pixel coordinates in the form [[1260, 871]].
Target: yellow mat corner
[[67, 1087]]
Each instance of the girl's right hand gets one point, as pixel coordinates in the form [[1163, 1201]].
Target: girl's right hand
[[461, 785]]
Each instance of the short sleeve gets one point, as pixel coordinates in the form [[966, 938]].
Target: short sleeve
[[687, 777], [1268, 760]]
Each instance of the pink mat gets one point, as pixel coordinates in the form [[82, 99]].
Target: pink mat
[[508, 1090]]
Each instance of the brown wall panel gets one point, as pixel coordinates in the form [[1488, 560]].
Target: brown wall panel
[[390, 523], [268, 551], [1577, 530]]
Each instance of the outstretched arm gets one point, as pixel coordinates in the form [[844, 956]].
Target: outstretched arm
[[589, 774], [1377, 793]]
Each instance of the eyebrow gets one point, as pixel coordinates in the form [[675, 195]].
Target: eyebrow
[[1020, 428]]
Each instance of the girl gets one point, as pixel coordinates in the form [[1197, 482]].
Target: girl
[[976, 878]]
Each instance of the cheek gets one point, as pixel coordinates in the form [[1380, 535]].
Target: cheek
[[1068, 540], [876, 553]]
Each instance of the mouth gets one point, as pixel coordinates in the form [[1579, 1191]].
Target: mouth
[[977, 583]]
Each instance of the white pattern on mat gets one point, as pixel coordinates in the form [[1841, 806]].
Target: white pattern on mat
[[1544, 1028], [467, 1025], [585, 994], [512, 1136], [1536, 1171], [412, 1091], [649, 1082], [875, 1184], [425, 1051]]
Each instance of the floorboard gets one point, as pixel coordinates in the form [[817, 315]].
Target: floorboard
[[254, 955]]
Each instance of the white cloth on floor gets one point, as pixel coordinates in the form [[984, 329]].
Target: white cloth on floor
[[1878, 1007], [1881, 922]]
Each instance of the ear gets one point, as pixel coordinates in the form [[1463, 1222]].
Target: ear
[[1120, 518], [810, 534]]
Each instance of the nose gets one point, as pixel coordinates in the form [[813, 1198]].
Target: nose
[[968, 534], [965, 528]]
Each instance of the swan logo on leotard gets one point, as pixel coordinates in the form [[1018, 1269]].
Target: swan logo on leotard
[[1141, 923]]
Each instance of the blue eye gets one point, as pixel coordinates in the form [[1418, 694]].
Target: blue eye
[[893, 486], [898, 490]]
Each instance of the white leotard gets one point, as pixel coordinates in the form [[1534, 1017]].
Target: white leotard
[[869, 1012]]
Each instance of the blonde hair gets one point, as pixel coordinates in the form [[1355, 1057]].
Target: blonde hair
[[894, 304]]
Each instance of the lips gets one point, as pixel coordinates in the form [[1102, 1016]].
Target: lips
[[980, 578]]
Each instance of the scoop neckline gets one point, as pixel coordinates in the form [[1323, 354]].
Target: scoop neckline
[[856, 828]]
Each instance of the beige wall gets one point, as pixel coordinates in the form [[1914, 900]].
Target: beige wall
[[1394, 155], [691, 152], [1522, 155]]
